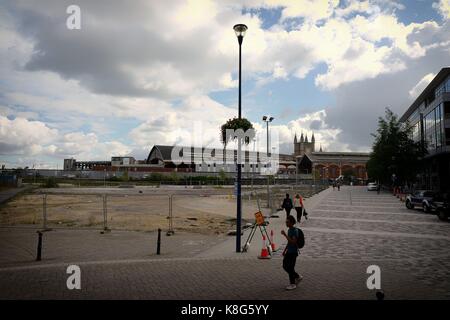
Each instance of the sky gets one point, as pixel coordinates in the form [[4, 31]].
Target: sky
[[141, 73]]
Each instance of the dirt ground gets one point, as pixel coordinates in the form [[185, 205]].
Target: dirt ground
[[200, 212], [205, 214]]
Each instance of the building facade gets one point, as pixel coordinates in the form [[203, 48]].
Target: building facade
[[429, 117], [328, 165]]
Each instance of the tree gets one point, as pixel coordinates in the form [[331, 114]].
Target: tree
[[236, 124], [394, 152], [222, 175]]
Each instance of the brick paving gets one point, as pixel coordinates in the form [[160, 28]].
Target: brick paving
[[348, 230]]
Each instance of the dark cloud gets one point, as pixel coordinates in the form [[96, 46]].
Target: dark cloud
[[359, 104], [117, 41]]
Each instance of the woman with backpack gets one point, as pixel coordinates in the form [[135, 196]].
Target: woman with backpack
[[287, 205], [291, 252]]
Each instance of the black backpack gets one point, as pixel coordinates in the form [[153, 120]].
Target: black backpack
[[300, 238]]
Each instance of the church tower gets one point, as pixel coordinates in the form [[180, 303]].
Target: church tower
[[296, 145], [303, 146]]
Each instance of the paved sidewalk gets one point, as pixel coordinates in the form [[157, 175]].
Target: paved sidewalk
[[346, 232]]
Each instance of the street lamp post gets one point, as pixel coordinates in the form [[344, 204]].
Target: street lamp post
[[240, 30], [268, 119]]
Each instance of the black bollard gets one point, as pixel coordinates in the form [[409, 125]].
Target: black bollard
[[380, 295], [39, 248], [158, 248]]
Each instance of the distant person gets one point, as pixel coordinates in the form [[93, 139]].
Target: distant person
[[287, 205], [290, 253], [298, 205], [334, 185], [378, 188], [339, 185]]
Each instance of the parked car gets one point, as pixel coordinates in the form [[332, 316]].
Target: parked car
[[422, 198], [441, 206], [372, 186]]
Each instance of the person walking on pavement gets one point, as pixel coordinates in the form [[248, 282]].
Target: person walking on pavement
[[334, 185], [287, 205], [298, 205], [290, 253], [339, 185]]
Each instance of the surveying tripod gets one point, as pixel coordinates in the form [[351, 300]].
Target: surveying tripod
[[261, 225]]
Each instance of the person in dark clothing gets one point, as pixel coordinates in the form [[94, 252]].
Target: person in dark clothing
[[290, 253], [298, 205], [287, 205]]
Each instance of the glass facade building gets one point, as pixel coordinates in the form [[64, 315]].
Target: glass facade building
[[429, 119]]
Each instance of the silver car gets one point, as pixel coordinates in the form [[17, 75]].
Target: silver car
[[372, 186]]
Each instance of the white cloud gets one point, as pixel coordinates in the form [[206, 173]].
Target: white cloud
[[20, 136], [443, 7], [34, 138], [170, 52], [227, 81], [421, 85], [196, 121], [159, 67], [309, 9]]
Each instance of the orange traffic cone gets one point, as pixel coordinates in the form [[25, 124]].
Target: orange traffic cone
[[272, 242], [264, 250]]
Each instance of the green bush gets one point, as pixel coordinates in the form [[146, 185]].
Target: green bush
[[155, 176], [50, 182]]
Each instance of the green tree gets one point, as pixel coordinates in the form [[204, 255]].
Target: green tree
[[125, 176], [222, 175], [394, 152]]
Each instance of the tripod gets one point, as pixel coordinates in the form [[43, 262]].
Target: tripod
[[259, 224]]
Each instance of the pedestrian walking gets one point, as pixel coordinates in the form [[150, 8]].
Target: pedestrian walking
[[339, 185], [378, 188], [290, 253], [298, 205], [287, 205], [334, 185]]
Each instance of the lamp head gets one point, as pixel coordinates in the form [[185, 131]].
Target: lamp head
[[240, 30]]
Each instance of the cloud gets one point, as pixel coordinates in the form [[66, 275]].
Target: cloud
[[196, 121], [165, 51], [359, 104], [143, 70], [443, 7], [421, 85], [22, 137], [310, 123]]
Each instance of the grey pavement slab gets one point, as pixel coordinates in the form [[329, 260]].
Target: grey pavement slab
[[348, 231]]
